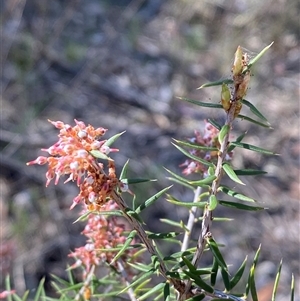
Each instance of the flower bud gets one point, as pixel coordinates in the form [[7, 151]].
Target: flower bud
[[225, 97], [238, 62]]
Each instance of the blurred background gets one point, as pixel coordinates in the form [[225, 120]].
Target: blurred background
[[121, 64]]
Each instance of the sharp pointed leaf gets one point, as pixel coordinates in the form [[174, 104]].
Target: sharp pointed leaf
[[97, 154], [112, 139], [199, 282], [216, 252], [239, 139], [204, 182], [214, 123], [256, 58], [235, 194], [237, 277], [214, 272], [255, 111], [227, 81], [202, 104], [249, 172], [123, 174], [253, 148], [231, 174], [240, 206], [276, 281], [158, 288], [167, 291], [137, 181], [163, 235], [151, 200], [243, 117], [195, 146], [198, 159], [292, 288], [174, 201], [124, 248]]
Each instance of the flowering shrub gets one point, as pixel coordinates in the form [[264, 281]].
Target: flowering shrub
[[82, 155]]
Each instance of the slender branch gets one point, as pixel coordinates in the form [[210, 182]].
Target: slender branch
[[191, 221]]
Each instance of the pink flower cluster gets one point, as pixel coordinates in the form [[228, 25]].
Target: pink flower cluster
[[103, 234], [210, 139], [70, 155]]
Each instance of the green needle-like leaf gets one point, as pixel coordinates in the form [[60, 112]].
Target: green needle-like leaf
[[167, 291], [151, 200], [231, 174], [240, 206], [40, 292], [239, 139], [227, 81], [202, 104], [137, 181], [123, 174], [235, 194], [139, 279], [243, 117], [217, 254], [197, 298], [253, 148], [251, 281], [204, 182], [255, 111], [292, 288], [276, 281], [198, 159], [174, 201], [159, 287], [129, 239], [214, 272], [237, 277], [97, 154], [199, 282], [256, 58], [163, 235], [112, 139], [249, 172], [195, 146], [214, 123]]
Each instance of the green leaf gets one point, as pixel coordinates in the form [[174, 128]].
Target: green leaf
[[195, 146], [243, 117], [235, 194], [292, 288], [123, 174], [174, 201], [185, 184], [136, 181], [151, 200], [255, 111], [199, 282], [213, 202], [225, 278], [97, 154], [197, 298], [214, 123], [231, 174], [256, 58], [167, 291], [251, 282], [129, 239], [202, 104], [240, 206], [40, 292], [163, 235], [253, 148], [249, 172], [223, 133], [237, 277], [173, 223], [204, 182], [196, 158], [8, 287], [159, 287], [133, 214], [139, 266], [146, 275], [216, 253], [276, 281], [190, 266], [112, 139], [181, 179], [227, 81], [214, 272], [239, 139]]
